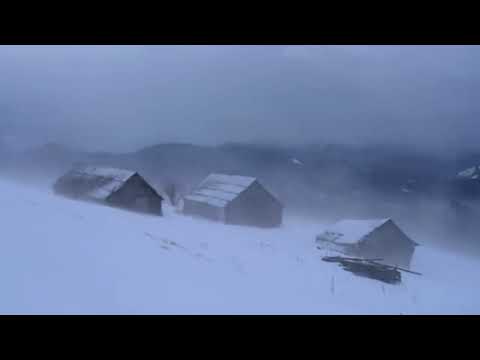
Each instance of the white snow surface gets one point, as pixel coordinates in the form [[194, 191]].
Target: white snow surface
[[117, 174], [104, 191], [218, 190], [60, 256], [351, 231], [112, 179]]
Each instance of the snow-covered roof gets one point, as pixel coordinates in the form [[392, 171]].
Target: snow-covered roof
[[97, 182], [117, 174], [218, 189], [351, 231]]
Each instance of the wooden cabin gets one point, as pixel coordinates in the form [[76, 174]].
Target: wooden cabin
[[233, 199], [372, 239], [115, 187]]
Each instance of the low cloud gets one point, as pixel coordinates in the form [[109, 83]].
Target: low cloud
[[124, 97]]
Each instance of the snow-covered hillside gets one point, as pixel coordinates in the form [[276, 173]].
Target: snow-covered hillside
[[63, 256]]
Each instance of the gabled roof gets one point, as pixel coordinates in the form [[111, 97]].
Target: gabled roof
[[218, 189], [95, 182], [114, 173], [351, 231]]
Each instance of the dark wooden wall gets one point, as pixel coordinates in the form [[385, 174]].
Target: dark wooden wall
[[256, 207], [136, 194], [390, 244], [197, 208]]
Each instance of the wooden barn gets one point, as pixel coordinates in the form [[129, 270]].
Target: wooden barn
[[236, 200], [115, 187], [372, 239]]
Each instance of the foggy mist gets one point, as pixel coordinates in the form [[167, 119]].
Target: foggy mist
[[121, 98]]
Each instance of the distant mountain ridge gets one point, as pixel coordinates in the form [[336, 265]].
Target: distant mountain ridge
[[385, 169], [391, 173]]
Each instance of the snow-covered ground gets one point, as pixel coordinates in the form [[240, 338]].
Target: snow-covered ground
[[61, 256]]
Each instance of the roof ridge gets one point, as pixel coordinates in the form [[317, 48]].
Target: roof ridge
[[354, 230], [222, 188]]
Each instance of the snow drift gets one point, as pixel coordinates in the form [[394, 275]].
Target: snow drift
[[59, 256]]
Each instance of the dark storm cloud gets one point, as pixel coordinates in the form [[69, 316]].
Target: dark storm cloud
[[124, 97]]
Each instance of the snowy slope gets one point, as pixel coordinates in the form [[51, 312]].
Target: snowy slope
[[62, 256]]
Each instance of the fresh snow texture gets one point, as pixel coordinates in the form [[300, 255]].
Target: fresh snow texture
[[351, 231], [121, 175], [104, 181], [218, 190], [60, 256]]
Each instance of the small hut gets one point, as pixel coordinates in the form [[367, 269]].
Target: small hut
[[115, 187], [373, 239], [233, 199]]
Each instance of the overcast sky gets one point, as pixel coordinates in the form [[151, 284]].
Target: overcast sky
[[120, 98]]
